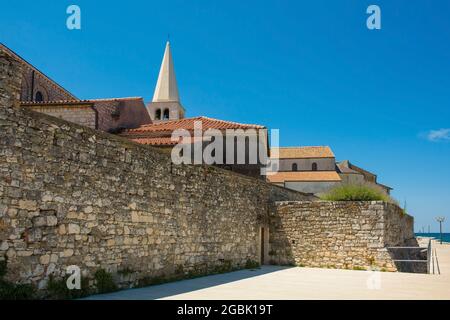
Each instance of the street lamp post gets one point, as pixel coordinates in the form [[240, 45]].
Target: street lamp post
[[440, 220]]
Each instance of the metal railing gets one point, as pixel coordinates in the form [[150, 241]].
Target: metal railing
[[429, 261], [429, 258]]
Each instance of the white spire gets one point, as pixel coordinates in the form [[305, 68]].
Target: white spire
[[166, 87]]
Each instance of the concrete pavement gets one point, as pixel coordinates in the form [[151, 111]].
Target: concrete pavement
[[273, 282]]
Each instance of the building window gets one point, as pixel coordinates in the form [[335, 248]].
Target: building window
[[158, 114], [314, 166], [294, 167], [166, 114], [39, 97]]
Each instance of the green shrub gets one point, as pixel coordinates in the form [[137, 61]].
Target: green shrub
[[3, 268], [155, 280], [125, 272], [224, 267], [250, 264], [356, 192], [104, 281], [358, 268], [11, 291], [57, 289]]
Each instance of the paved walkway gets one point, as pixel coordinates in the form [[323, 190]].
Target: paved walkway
[[273, 282]]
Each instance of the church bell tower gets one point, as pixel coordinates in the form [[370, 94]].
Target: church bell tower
[[166, 104]]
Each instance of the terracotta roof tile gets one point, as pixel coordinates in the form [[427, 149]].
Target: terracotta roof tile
[[55, 103], [280, 177], [159, 141], [304, 152], [344, 169], [188, 124], [68, 102], [116, 99]]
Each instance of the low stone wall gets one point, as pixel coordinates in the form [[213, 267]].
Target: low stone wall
[[349, 235]]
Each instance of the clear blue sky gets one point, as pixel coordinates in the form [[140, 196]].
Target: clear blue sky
[[310, 68]]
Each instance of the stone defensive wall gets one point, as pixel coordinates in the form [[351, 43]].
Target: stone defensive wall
[[347, 235], [71, 195]]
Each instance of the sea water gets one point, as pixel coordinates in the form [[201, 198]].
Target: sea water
[[437, 236]]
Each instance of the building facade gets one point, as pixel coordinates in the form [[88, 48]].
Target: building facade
[[36, 86], [315, 170], [306, 169], [351, 174], [42, 94]]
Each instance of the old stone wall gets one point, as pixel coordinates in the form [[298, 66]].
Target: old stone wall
[[10, 80], [337, 234], [71, 195]]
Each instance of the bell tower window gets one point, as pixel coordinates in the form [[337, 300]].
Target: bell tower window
[[166, 115], [158, 114]]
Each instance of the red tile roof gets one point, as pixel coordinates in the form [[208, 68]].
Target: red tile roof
[[160, 133], [161, 141], [188, 124], [116, 99], [69, 102], [62, 103], [304, 176], [303, 152]]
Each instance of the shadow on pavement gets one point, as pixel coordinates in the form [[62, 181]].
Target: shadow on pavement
[[183, 286]]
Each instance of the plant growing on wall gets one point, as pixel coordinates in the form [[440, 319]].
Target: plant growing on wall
[[357, 192], [11, 291]]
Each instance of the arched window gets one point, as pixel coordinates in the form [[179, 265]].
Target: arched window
[[166, 115], [294, 167], [158, 114], [39, 97], [314, 166]]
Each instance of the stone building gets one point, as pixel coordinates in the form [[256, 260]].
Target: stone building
[[168, 115], [109, 115], [352, 174], [153, 123], [36, 86], [305, 169], [315, 170], [42, 94]]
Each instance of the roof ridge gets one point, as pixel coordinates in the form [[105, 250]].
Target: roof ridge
[[165, 122], [113, 99], [200, 118], [55, 102], [300, 147], [233, 122]]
